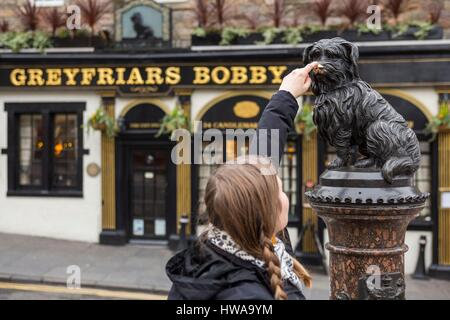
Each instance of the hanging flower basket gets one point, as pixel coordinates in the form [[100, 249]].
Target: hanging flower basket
[[300, 127], [99, 127], [304, 124], [439, 123], [101, 121], [173, 121]]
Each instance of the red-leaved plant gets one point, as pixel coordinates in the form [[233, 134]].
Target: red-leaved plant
[[322, 9], [277, 13], [28, 14], [54, 18], [4, 26], [221, 9], [202, 10], [92, 11], [353, 10], [252, 18], [395, 7], [435, 9]]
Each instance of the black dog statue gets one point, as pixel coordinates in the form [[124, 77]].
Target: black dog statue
[[355, 119], [142, 31]]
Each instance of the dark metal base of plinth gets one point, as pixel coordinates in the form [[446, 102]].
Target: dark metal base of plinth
[[439, 271], [366, 219], [354, 186]]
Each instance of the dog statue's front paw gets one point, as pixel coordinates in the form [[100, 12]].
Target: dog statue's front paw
[[336, 163]]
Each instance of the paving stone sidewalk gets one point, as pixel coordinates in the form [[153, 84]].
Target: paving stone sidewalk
[[130, 267]]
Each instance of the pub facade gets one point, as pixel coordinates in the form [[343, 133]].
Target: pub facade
[[58, 179]]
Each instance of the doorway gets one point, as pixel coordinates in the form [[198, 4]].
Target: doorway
[[148, 186]]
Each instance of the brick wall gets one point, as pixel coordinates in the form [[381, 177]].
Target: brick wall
[[239, 13]]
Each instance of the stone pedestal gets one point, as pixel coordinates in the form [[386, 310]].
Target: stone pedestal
[[366, 219]]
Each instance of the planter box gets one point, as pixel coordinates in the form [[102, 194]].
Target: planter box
[[141, 44], [435, 33], [96, 42], [214, 39], [444, 129], [99, 127], [354, 35], [251, 38], [278, 39], [300, 127], [319, 35], [210, 39]]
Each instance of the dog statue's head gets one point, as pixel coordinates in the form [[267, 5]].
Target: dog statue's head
[[136, 18], [338, 64]]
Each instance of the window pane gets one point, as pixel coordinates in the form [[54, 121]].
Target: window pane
[[288, 175], [206, 169], [423, 179], [31, 147], [65, 150]]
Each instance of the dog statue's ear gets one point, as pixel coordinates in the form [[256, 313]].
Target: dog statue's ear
[[353, 54], [306, 57]]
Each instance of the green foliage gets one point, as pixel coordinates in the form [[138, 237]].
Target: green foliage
[[398, 30], [231, 33], [100, 120], [310, 29], [199, 32], [173, 121], [269, 34], [293, 35], [23, 40], [65, 33], [363, 28], [304, 120], [442, 120], [424, 29], [41, 41]]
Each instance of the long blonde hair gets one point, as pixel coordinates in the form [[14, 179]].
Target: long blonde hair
[[243, 200]]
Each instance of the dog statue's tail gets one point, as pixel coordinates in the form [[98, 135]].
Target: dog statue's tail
[[407, 159], [398, 166]]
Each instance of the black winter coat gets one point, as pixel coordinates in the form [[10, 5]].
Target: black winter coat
[[205, 272]]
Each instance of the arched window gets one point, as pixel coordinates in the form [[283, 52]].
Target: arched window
[[242, 111]]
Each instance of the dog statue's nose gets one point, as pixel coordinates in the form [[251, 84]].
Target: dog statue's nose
[[318, 68]]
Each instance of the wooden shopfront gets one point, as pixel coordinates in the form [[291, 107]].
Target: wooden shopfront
[[143, 195]]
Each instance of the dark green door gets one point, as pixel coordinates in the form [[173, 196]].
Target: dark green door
[[148, 193]]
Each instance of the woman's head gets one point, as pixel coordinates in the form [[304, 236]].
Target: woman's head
[[244, 198]]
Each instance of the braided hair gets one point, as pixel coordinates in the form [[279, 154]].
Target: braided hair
[[245, 203]]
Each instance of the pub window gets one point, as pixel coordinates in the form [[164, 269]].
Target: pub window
[[44, 149], [287, 171], [30, 150]]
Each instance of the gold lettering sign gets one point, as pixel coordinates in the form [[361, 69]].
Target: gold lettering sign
[[229, 125], [246, 109], [147, 76], [94, 76], [144, 125]]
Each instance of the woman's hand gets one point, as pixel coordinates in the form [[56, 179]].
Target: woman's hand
[[298, 81]]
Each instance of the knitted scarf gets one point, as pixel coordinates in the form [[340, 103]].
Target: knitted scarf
[[223, 240]]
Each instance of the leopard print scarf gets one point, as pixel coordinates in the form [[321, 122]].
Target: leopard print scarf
[[223, 240]]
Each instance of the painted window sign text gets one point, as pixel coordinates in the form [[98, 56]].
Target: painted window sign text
[[144, 76]]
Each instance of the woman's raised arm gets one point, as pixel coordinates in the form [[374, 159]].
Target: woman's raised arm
[[281, 110]]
